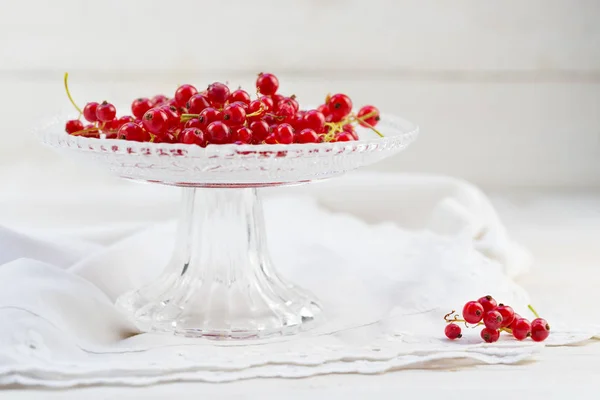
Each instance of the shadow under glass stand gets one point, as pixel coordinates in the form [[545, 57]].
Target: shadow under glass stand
[[220, 282]]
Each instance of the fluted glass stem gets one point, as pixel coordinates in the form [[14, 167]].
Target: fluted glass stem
[[220, 282]]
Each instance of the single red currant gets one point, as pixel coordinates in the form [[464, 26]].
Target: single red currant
[[286, 111], [472, 312], [243, 135], [89, 111], [219, 133], [260, 131], [490, 335], [540, 330], [192, 136], [158, 100], [521, 328], [512, 325], [193, 123], [257, 108], [267, 84], [234, 115], [267, 102], [369, 116], [140, 106], [183, 94], [270, 139], [340, 105], [284, 134], [306, 136], [314, 120], [452, 331], [344, 137], [324, 109], [156, 121], [488, 301], [173, 117], [492, 319], [209, 115], [239, 95], [132, 131], [217, 93], [508, 314], [105, 112], [73, 126], [350, 129], [197, 103], [276, 100]]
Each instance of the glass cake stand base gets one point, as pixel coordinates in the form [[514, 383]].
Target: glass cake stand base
[[220, 282]]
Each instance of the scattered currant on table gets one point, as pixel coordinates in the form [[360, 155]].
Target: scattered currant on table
[[218, 115], [496, 318]]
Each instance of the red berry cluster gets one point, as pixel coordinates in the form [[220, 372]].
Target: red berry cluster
[[496, 318], [218, 115]]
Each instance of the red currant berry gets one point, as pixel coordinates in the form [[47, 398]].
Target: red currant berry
[[521, 328], [89, 111], [276, 100], [183, 94], [267, 84], [73, 126], [260, 131], [452, 331], [267, 102], [294, 103], [173, 117], [239, 95], [340, 105], [197, 103], [512, 325], [219, 133], [192, 136], [372, 114], [298, 121], [158, 100], [156, 121], [350, 129], [193, 123], [209, 115], [540, 330], [508, 314], [140, 106], [255, 108], [270, 139], [490, 335], [243, 135], [488, 301], [324, 109], [286, 111], [132, 131], [472, 312], [314, 120], [344, 137], [306, 136], [284, 134], [217, 93], [492, 319], [234, 115], [105, 112]]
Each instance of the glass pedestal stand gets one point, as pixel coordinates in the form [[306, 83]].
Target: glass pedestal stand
[[220, 282]]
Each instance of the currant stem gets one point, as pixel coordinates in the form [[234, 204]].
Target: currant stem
[[533, 310], [69, 95], [258, 112], [367, 124], [186, 117]]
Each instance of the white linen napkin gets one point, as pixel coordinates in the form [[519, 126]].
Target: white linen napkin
[[391, 255]]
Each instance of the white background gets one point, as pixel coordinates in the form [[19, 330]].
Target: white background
[[507, 92]]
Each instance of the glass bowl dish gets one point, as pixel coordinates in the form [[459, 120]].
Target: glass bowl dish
[[220, 282]]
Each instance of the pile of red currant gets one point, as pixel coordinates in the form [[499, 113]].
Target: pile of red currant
[[496, 318], [218, 115]]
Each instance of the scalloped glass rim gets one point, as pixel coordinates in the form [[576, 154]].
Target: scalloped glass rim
[[231, 164]]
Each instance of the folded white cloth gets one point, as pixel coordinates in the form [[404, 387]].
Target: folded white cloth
[[388, 256]]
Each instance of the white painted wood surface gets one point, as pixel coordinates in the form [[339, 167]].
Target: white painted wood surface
[[507, 92]]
